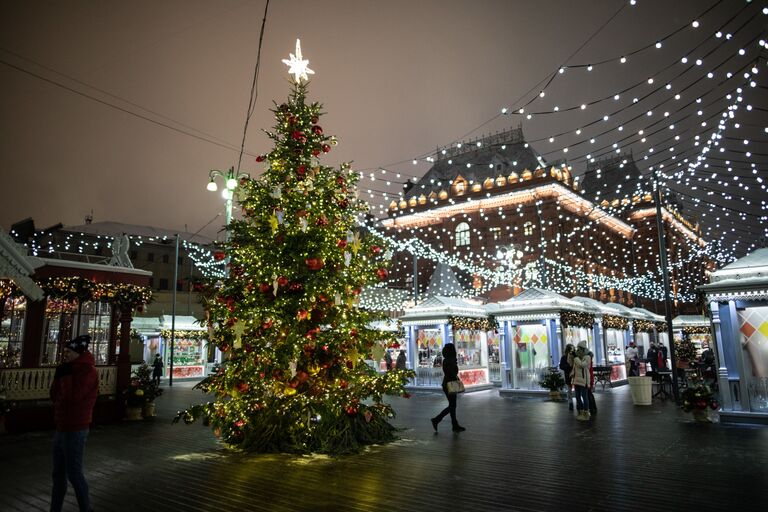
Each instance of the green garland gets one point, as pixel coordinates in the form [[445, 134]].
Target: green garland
[[184, 335], [82, 289], [696, 329], [576, 319], [661, 326], [615, 322], [643, 326], [477, 324]]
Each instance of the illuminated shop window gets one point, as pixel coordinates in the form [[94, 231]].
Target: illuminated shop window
[[528, 228]]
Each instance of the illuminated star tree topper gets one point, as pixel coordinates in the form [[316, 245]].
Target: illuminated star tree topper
[[297, 65]]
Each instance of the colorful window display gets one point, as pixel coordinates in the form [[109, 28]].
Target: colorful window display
[[12, 331], [614, 345], [95, 319], [429, 343], [494, 356], [753, 330], [187, 357], [530, 344]]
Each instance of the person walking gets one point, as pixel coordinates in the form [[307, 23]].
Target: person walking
[[157, 369], [73, 392], [400, 362], [450, 372], [388, 359], [566, 364], [581, 362], [633, 361]]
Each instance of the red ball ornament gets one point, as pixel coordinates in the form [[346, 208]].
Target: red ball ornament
[[302, 376], [264, 287], [315, 152], [282, 280], [375, 249], [326, 148], [301, 171], [341, 244], [314, 264], [314, 119], [382, 273], [261, 158], [343, 204], [218, 255], [340, 180], [351, 411], [297, 134], [302, 314], [317, 130], [267, 324]]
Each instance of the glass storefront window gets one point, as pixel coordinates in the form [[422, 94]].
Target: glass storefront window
[[469, 348], [753, 330], [429, 343], [574, 335], [95, 319], [531, 354], [12, 331], [614, 346], [59, 319]]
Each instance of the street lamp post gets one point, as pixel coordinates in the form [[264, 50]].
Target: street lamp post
[[231, 181]]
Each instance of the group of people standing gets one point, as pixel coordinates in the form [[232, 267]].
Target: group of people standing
[[576, 364]]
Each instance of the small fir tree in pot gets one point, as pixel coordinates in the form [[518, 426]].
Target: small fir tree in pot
[[554, 381]]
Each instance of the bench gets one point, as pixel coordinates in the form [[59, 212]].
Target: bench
[[603, 375]]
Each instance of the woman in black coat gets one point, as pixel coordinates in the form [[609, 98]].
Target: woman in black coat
[[450, 372]]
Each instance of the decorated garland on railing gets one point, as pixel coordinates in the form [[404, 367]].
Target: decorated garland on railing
[[82, 289], [643, 326], [477, 324], [696, 329], [661, 326], [615, 322], [576, 319], [184, 335]]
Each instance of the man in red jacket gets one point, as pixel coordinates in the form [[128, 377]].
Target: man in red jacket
[[74, 391]]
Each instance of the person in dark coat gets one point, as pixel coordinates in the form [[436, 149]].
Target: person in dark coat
[[73, 392], [157, 369], [400, 364], [566, 364], [450, 372]]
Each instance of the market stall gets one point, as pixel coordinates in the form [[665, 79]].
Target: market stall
[[535, 327], [737, 296], [613, 337], [441, 320]]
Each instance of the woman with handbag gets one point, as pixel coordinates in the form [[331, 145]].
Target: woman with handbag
[[450, 374]]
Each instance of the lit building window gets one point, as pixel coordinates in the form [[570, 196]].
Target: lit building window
[[462, 234], [528, 228], [495, 233]]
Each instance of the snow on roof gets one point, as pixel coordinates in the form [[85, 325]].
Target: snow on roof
[[749, 273], [689, 321], [442, 307], [538, 301]]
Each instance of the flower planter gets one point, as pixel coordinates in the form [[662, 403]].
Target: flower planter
[[133, 413], [149, 410], [700, 415], [555, 396]]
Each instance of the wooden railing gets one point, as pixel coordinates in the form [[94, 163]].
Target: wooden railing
[[35, 383]]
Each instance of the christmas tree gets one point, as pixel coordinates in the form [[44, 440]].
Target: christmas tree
[[295, 378]]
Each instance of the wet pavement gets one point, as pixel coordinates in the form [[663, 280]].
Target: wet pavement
[[518, 454]]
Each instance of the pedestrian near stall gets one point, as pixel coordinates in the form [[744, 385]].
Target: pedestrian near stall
[[633, 361], [566, 365], [73, 392], [591, 388], [581, 362], [450, 373], [157, 369], [401, 360]]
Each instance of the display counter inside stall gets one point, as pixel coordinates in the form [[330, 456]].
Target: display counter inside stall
[[614, 354]]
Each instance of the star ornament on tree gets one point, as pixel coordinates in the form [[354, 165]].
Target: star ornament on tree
[[298, 66]]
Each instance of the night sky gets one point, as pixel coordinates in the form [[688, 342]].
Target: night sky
[[398, 79]]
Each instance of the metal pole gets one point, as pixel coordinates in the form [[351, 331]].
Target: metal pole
[[173, 308], [665, 278], [415, 279]]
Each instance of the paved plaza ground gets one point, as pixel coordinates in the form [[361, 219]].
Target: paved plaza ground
[[518, 454]]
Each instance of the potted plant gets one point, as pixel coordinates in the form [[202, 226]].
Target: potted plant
[[151, 389], [134, 400], [554, 381], [697, 398]]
